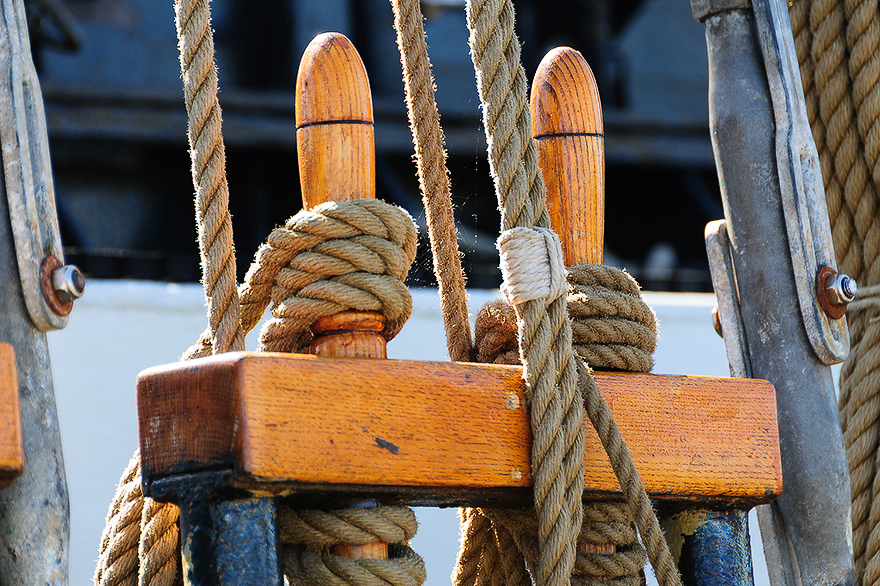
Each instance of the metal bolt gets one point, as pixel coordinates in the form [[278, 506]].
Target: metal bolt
[[68, 283], [841, 289]]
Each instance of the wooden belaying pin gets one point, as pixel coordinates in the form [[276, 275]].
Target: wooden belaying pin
[[567, 127], [568, 130], [337, 162]]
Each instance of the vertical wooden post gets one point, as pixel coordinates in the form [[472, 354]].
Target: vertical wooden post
[[568, 130], [337, 162], [567, 126]]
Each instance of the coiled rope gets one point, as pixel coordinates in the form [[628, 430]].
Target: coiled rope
[[837, 45]]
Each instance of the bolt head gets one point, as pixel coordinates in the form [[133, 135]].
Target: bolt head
[[68, 282], [841, 289]]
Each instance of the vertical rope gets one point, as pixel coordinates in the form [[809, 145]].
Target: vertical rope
[[196, 43], [550, 370], [157, 561], [424, 122]]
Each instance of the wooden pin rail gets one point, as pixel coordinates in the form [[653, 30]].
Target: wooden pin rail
[[11, 451], [442, 433]]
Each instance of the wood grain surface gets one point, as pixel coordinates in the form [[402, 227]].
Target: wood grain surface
[[297, 420], [11, 451], [567, 126], [334, 123]]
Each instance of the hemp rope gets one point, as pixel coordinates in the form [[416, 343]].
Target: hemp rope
[[157, 532], [545, 334], [549, 371], [424, 122], [305, 533], [338, 256], [837, 45], [606, 310]]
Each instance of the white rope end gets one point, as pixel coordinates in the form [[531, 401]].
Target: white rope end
[[531, 265]]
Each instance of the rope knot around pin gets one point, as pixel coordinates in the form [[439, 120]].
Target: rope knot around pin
[[531, 265], [339, 256]]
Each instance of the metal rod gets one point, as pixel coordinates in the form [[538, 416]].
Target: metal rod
[[813, 512], [228, 542], [717, 552], [34, 509]]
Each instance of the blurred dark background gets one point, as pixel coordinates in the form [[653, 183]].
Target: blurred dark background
[[117, 126]]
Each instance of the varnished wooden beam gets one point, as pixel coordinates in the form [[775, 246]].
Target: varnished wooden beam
[[11, 451], [441, 433]]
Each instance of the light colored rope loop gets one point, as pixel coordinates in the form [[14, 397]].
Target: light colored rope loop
[[531, 265], [336, 257]]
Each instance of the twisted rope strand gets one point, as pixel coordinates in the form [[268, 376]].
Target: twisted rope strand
[[196, 43], [424, 122]]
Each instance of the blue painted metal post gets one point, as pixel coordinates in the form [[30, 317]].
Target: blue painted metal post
[[718, 552], [228, 542]]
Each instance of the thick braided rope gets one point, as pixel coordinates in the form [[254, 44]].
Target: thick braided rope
[[631, 334], [424, 122], [613, 328], [196, 43], [550, 372], [157, 531], [118, 557], [837, 44], [544, 337], [604, 524], [335, 257]]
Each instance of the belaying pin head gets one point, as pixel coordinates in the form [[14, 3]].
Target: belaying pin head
[[835, 291]]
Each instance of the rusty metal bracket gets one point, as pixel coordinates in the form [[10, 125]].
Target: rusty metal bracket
[[29, 187], [800, 180]]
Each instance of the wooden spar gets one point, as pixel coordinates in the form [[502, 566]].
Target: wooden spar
[[442, 433], [337, 162], [567, 127], [11, 451]]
